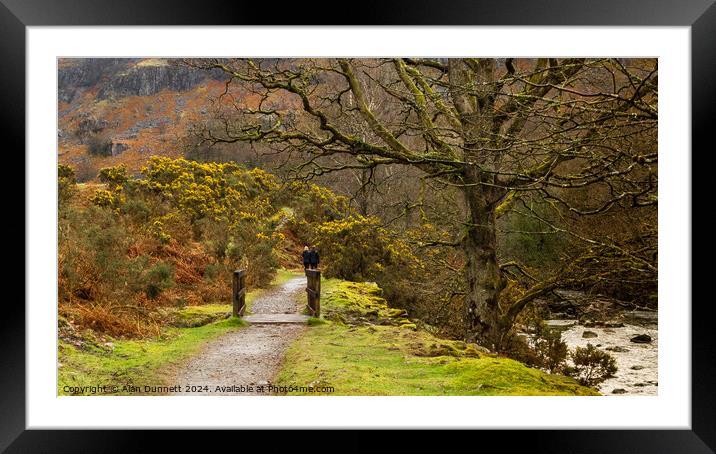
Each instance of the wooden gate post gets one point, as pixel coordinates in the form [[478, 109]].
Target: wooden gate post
[[239, 293], [313, 289]]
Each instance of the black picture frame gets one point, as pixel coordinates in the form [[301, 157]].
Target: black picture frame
[[16, 15]]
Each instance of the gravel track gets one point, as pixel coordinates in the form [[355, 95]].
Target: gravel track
[[249, 356]]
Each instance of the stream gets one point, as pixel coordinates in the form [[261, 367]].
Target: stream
[[637, 363]]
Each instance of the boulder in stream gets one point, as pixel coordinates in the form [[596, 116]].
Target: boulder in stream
[[641, 339]]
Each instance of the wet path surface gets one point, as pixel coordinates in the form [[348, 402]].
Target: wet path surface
[[244, 362]]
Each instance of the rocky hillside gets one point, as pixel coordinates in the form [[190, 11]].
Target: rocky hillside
[[114, 111]]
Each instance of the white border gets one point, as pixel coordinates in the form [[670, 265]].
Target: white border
[[670, 409]]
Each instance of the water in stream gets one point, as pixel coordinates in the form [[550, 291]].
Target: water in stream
[[637, 364]]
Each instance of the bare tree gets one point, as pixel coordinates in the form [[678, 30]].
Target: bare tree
[[493, 129]]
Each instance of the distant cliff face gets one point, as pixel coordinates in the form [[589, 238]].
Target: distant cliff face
[[117, 78], [77, 75], [149, 77]]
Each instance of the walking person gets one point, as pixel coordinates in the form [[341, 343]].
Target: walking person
[[314, 258], [306, 257]]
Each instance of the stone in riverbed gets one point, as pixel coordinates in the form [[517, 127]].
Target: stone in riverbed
[[617, 349], [560, 316], [641, 339], [641, 318], [600, 324], [560, 325], [588, 334], [619, 391], [637, 367]]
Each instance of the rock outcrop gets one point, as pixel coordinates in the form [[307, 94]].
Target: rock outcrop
[[152, 76], [76, 75], [595, 310], [116, 78]]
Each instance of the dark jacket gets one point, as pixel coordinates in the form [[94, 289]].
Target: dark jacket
[[306, 257], [314, 258]]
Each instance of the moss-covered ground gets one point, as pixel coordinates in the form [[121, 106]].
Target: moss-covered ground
[[363, 347]]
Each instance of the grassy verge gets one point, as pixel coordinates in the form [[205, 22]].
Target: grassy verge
[[132, 363], [87, 361], [366, 348]]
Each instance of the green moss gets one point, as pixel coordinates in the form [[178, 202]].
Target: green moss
[[381, 360], [194, 316], [313, 321], [399, 359], [359, 302]]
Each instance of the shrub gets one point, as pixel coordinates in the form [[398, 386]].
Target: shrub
[[543, 349], [551, 350], [108, 257], [98, 145], [213, 270], [518, 347], [354, 248], [214, 237], [91, 252], [157, 231], [312, 205], [85, 170], [103, 198], [137, 210], [256, 253], [591, 365], [115, 177], [159, 278], [261, 262], [66, 182]]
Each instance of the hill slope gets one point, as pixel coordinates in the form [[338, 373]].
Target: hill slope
[[114, 111]]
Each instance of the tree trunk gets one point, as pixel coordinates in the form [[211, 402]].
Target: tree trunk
[[482, 272]]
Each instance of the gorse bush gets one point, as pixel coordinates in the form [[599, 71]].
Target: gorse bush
[[103, 198], [312, 205], [66, 183], [114, 177], [173, 234], [355, 248]]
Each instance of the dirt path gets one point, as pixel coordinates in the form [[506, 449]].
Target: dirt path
[[248, 357]]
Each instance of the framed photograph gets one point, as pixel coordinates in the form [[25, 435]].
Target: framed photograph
[[426, 218]]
